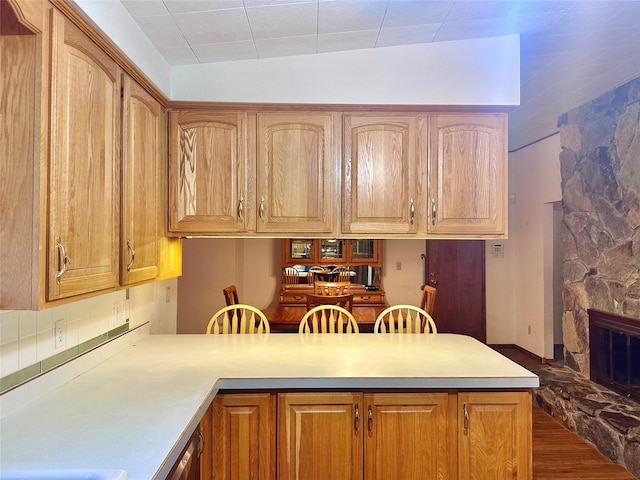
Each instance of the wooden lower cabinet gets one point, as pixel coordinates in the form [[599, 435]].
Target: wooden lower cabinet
[[373, 436], [320, 436], [410, 436], [244, 436], [495, 439], [205, 429]]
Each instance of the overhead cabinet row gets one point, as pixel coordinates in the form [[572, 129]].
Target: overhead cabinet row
[[338, 174]]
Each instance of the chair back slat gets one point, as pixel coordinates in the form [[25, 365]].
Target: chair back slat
[[328, 319], [238, 319], [404, 319]]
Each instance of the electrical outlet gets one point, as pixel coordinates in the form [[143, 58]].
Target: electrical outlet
[[167, 295], [59, 334], [529, 329], [398, 265]]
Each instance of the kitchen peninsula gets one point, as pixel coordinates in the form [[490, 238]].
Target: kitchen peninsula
[[136, 410]]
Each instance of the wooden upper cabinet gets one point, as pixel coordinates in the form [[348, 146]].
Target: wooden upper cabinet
[[468, 175], [208, 172], [297, 172], [382, 158], [141, 195], [84, 188], [495, 435]]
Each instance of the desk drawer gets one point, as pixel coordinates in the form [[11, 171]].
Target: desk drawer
[[369, 298]]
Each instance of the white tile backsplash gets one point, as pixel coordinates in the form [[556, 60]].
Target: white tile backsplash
[[27, 337], [9, 327], [28, 353]]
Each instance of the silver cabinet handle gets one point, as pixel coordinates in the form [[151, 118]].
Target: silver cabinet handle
[[370, 419], [200, 442], [133, 255], [433, 211], [63, 260], [356, 418], [466, 419], [412, 212], [241, 209], [262, 209]]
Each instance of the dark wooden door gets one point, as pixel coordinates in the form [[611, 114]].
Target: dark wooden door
[[456, 269]]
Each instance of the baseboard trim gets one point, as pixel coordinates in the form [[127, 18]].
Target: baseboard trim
[[522, 350]]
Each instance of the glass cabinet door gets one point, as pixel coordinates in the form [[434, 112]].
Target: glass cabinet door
[[331, 251], [300, 250], [366, 251]]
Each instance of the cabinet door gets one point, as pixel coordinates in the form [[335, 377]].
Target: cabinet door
[[298, 251], [380, 179], [141, 162], [208, 172], [297, 174], [495, 435], [319, 436], [331, 251], [468, 175], [364, 252], [409, 436], [244, 436], [84, 188], [206, 445]]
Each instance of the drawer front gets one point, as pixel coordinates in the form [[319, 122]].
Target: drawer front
[[369, 298]]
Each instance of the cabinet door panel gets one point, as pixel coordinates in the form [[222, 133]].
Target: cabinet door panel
[[85, 169], [317, 436], [208, 165], [495, 437], [296, 173], [380, 178], [141, 162], [244, 436], [409, 436], [468, 174]]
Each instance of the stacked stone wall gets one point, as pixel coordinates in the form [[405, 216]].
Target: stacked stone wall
[[600, 168]]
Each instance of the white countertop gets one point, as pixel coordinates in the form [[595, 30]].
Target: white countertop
[[135, 410]]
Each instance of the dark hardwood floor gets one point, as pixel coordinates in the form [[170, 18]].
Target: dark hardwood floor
[[558, 453]]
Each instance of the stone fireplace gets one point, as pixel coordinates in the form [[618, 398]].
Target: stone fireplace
[[600, 231], [600, 168]]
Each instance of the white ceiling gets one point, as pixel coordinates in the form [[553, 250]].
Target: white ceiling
[[571, 50]]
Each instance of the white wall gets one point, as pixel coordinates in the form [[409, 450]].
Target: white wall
[[115, 21], [518, 283], [465, 72]]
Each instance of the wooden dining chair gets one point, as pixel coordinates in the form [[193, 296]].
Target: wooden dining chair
[[343, 274], [344, 301], [328, 319], [231, 295], [331, 288], [428, 301], [238, 318], [404, 319], [290, 276]]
